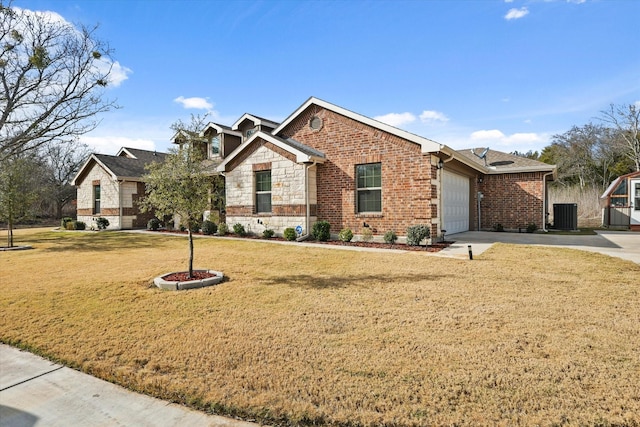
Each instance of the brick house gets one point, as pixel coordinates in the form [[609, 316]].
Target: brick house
[[109, 186], [326, 162]]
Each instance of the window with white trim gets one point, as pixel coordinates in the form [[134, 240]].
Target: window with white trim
[[96, 199], [369, 188], [263, 191]]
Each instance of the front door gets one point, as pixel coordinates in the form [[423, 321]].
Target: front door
[[635, 202]]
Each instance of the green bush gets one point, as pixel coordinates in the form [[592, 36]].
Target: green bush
[[79, 225], [531, 228], [268, 233], [195, 225], [239, 229], [70, 225], [390, 237], [64, 221], [417, 233], [498, 227], [101, 223], [153, 224], [345, 235], [209, 227], [290, 234], [366, 234], [223, 229], [321, 231]]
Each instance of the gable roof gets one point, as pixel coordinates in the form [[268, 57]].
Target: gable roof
[[303, 153], [428, 146], [122, 167], [498, 162], [219, 129], [615, 182], [255, 119]]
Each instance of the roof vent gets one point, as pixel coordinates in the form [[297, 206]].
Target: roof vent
[[315, 123]]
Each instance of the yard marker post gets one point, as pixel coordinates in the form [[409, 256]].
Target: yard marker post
[[470, 252]]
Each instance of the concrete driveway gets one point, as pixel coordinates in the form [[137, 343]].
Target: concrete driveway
[[37, 392], [621, 244]]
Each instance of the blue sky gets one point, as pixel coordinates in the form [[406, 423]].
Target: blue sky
[[503, 74]]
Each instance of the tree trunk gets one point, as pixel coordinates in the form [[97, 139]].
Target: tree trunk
[[190, 253], [9, 233]]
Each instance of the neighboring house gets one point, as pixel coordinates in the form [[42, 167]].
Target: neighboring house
[[621, 202], [109, 187], [325, 162]]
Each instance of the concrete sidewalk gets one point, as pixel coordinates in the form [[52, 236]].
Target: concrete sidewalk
[[37, 392], [621, 244]]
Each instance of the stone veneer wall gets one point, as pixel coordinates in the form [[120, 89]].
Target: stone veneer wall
[[288, 203], [110, 201], [409, 196]]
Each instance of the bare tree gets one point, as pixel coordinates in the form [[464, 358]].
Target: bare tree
[[626, 121], [52, 80], [62, 161]]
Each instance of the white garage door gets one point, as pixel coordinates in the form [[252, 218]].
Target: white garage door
[[455, 202]]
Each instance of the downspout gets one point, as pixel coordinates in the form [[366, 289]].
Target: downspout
[[545, 201], [307, 219], [440, 201]]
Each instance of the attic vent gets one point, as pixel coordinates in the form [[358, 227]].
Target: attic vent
[[315, 123]]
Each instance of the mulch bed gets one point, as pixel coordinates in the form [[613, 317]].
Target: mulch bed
[[435, 247], [183, 276]]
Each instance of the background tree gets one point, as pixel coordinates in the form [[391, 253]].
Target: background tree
[[62, 162], [625, 119], [180, 185], [20, 179], [52, 79]]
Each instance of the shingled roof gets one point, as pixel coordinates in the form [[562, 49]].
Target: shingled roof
[[122, 166], [499, 162]]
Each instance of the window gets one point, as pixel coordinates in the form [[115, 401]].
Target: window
[[619, 197], [369, 187], [251, 132], [96, 199], [215, 145], [636, 204], [263, 191]]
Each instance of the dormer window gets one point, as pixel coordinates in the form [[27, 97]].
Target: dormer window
[[250, 132], [215, 145]]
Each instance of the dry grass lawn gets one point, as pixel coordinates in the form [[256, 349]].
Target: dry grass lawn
[[299, 335]]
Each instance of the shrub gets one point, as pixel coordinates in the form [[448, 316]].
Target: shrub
[[366, 234], [70, 225], [195, 225], [153, 224], [268, 233], [223, 229], [102, 223], [64, 221], [417, 233], [498, 227], [209, 227], [290, 233], [321, 231], [345, 235], [79, 225], [390, 237], [532, 227], [239, 229], [170, 224]]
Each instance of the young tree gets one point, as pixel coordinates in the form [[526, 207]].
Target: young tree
[[19, 190], [180, 185], [625, 119], [52, 80]]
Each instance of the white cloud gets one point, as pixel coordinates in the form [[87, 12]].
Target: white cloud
[[515, 139], [516, 13], [483, 135], [396, 119], [195, 102], [508, 1], [431, 117], [576, 1], [111, 144], [637, 104]]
